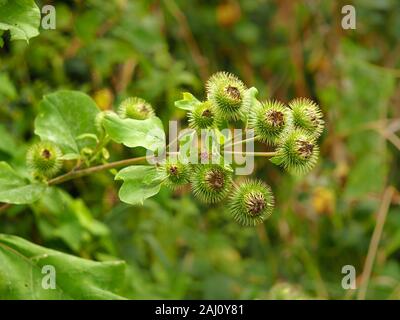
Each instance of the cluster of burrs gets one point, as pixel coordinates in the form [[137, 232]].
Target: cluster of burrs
[[292, 129]]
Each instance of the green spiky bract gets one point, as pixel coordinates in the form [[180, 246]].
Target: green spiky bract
[[203, 116], [298, 152], [43, 159], [307, 115], [177, 174], [251, 203], [269, 121], [211, 183], [227, 93], [135, 108]]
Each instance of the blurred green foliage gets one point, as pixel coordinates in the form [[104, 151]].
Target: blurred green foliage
[[174, 246]]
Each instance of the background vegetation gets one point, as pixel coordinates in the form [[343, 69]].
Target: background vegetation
[[173, 246]]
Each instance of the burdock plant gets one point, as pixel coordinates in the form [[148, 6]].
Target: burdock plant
[[269, 120], [251, 203], [177, 173], [211, 182], [204, 116], [135, 108], [44, 159], [227, 94], [307, 115], [80, 132], [297, 153]]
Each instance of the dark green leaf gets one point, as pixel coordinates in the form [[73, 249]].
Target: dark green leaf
[[21, 273]]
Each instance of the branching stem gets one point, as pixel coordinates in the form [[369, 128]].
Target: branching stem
[[78, 173], [84, 172]]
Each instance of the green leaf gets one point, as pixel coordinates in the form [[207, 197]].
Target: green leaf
[[59, 216], [21, 276], [140, 183], [15, 189], [147, 133], [21, 17], [7, 88], [7, 142], [65, 116], [186, 147], [189, 102], [250, 97]]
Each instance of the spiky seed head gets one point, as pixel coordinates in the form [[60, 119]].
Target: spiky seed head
[[177, 174], [298, 152], [43, 159], [269, 121], [251, 203], [135, 108], [307, 115], [211, 182], [203, 116], [227, 93]]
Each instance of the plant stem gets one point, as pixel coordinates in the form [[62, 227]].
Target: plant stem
[[84, 172], [255, 154], [74, 174], [241, 141], [376, 237]]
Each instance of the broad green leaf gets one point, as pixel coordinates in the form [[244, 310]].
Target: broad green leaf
[[21, 17], [147, 133], [59, 216], [65, 116], [189, 102], [140, 183], [15, 189], [22, 275]]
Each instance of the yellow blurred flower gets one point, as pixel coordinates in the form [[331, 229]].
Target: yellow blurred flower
[[323, 200], [104, 98]]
